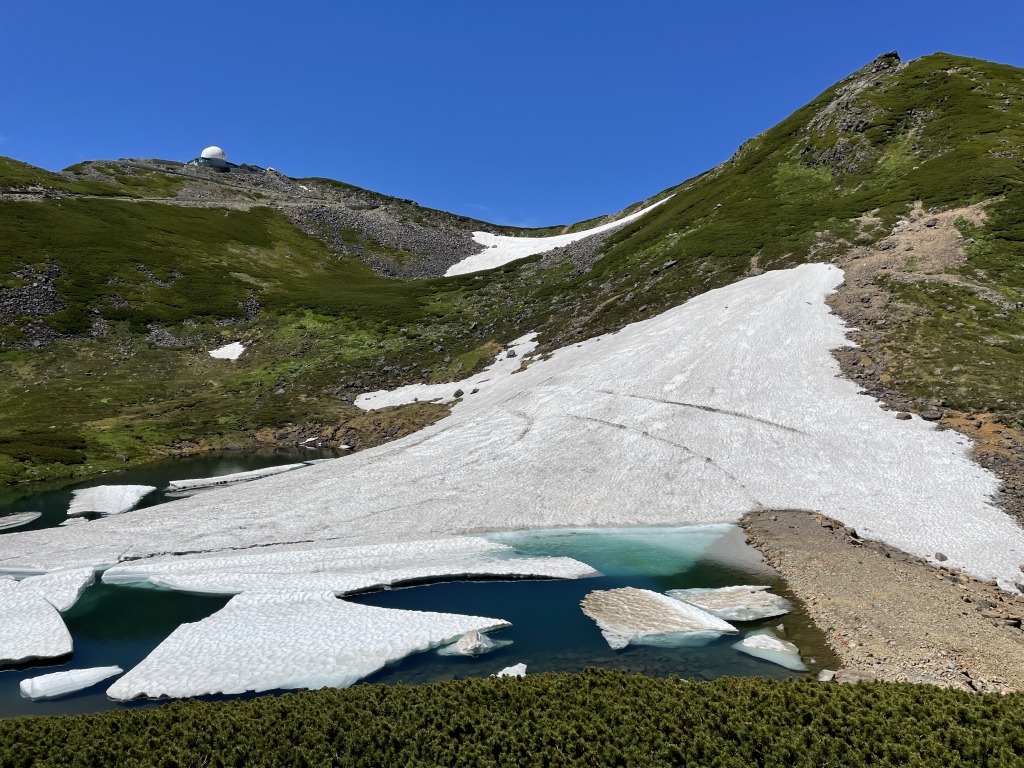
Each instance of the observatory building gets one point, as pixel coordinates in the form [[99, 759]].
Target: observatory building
[[213, 157]]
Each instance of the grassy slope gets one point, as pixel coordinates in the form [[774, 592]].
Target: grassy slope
[[600, 718], [944, 130]]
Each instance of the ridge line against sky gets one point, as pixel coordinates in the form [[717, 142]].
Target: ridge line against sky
[[529, 114]]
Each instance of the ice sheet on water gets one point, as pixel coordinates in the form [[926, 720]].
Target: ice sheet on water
[[19, 519], [107, 499], [259, 642], [642, 617], [62, 683], [739, 603], [343, 570], [234, 477]]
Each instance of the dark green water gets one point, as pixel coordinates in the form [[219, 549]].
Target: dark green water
[[122, 624]]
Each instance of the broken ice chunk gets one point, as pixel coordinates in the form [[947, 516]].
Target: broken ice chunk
[[740, 603], [61, 588], [516, 670], [763, 644], [31, 628], [640, 616], [62, 683], [107, 499]]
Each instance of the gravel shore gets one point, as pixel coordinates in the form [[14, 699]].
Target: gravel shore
[[892, 616]]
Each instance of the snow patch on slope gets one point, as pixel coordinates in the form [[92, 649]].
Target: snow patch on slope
[[229, 351], [502, 249]]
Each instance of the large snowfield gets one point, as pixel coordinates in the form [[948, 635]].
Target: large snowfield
[[729, 403]]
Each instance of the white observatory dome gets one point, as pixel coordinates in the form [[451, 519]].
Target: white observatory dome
[[214, 153]]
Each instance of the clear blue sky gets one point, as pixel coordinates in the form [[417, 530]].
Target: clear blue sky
[[528, 113]]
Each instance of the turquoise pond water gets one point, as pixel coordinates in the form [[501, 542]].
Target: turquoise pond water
[[122, 624]]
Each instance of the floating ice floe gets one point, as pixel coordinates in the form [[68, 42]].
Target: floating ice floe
[[235, 477], [259, 642], [642, 617], [342, 570], [107, 499], [740, 603], [503, 249], [61, 589], [729, 403], [516, 670], [473, 643], [229, 351], [31, 628], [62, 683], [507, 362], [763, 644], [19, 519]]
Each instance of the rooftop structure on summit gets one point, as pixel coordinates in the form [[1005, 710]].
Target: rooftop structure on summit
[[213, 157]]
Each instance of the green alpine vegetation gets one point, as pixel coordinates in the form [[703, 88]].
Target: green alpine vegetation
[[599, 717], [116, 278]]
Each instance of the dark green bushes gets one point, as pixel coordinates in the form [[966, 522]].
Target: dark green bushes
[[598, 718]]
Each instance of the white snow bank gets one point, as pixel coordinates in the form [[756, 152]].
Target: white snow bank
[[516, 670], [62, 683], [640, 616], [107, 499], [229, 351], [729, 403], [507, 362], [763, 644], [30, 627], [342, 570], [259, 642], [18, 520], [235, 477], [502, 249], [740, 603], [61, 589]]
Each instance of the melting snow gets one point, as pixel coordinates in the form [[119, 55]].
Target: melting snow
[[640, 616], [107, 499], [502, 249], [259, 642], [229, 351], [31, 628], [741, 603], [62, 683], [473, 643], [763, 644], [729, 403]]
